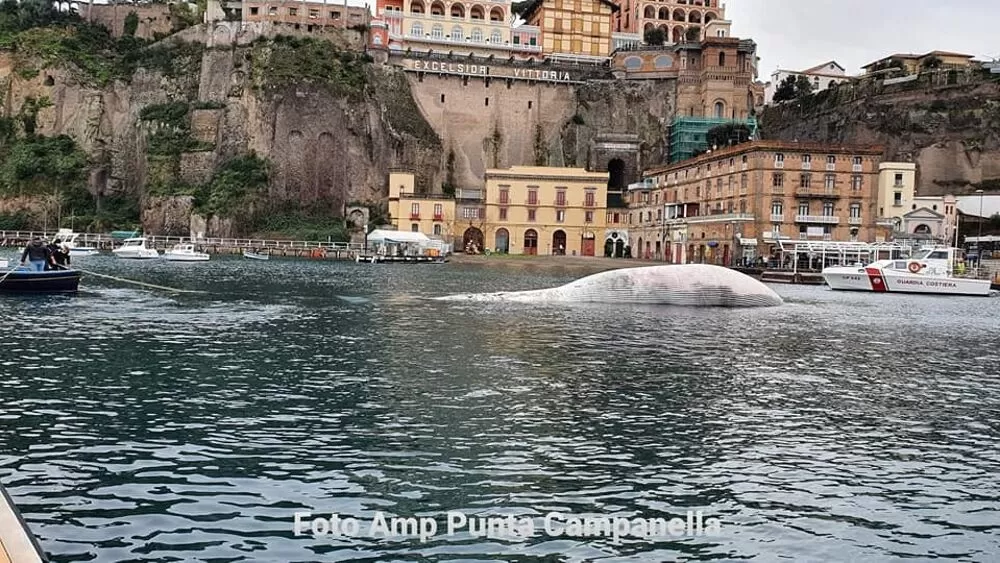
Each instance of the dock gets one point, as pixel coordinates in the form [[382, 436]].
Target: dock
[[17, 544], [380, 259], [234, 246]]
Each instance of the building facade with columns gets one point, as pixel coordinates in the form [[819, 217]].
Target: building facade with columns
[[735, 204], [677, 19]]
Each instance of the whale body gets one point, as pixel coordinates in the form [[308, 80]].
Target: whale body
[[693, 285]]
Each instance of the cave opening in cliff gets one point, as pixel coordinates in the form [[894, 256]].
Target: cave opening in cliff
[[616, 175]]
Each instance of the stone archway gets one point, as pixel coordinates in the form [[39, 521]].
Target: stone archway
[[559, 243], [472, 240]]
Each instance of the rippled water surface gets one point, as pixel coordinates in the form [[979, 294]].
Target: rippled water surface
[[138, 425]]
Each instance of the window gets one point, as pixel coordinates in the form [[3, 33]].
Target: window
[[856, 161], [856, 183], [472, 213], [437, 32], [897, 199], [272, 11], [730, 182], [744, 182], [456, 33], [415, 228], [807, 161], [531, 215], [561, 216], [293, 11], [828, 209], [532, 197], [779, 160], [588, 199], [718, 187], [778, 180], [743, 206], [438, 211], [415, 210], [803, 208], [254, 10], [437, 229], [504, 196], [855, 211], [831, 162], [805, 180], [495, 37], [442, 98], [503, 213], [417, 30], [588, 217], [830, 182], [561, 198], [477, 35], [777, 208]]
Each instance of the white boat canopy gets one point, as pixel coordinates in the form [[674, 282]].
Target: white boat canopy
[[385, 236]]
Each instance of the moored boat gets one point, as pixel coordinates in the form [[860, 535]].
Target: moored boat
[[185, 252], [256, 255], [17, 543], [135, 248], [76, 249], [23, 280], [935, 271]]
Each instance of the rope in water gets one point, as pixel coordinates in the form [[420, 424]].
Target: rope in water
[[8, 273], [143, 284]]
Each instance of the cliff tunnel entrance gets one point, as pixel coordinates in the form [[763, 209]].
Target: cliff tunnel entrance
[[616, 175]]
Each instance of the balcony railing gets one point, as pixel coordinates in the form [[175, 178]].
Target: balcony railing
[[439, 216], [720, 218], [856, 168], [817, 192], [777, 217], [530, 201], [854, 221], [823, 219], [469, 194], [831, 167], [807, 166], [414, 215]]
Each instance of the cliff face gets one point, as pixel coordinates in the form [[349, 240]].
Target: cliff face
[[330, 124], [946, 122]]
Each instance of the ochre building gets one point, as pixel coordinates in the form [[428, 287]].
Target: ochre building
[[573, 28]]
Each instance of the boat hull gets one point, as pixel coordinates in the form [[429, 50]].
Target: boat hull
[[880, 281], [186, 257], [22, 281], [143, 254], [253, 256], [83, 251]]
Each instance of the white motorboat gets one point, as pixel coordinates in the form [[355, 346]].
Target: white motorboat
[[185, 252], [76, 249], [937, 271], [255, 255], [135, 248], [4, 264]]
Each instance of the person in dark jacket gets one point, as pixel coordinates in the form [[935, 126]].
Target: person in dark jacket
[[60, 257], [37, 254]]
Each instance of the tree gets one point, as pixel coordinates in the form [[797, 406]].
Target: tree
[[803, 87], [131, 24], [655, 36], [931, 62], [786, 90], [693, 33], [728, 135]]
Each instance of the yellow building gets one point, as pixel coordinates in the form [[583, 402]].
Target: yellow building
[[544, 210], [577, 28], [913, 64], [433, 215], [897, 183]]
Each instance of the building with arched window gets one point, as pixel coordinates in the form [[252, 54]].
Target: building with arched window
[[482, 27], [580, 29], [680, 21]]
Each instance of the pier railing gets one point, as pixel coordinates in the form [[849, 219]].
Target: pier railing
[[105, 241]]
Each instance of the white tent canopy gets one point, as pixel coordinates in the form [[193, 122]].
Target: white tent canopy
[[385, 236]]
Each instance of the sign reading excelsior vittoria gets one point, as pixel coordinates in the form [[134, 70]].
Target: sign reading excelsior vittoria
[[486, 71]]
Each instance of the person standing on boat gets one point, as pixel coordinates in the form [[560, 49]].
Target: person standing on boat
[[37, 254]]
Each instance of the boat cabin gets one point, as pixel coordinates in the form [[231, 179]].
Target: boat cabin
[[939, 261]]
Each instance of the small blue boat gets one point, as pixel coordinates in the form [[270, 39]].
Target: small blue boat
[[23, 280]]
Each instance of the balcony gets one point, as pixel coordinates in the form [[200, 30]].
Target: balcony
[[856, 168], [474, 195], [531, 202], [414, 216], [777, 217], [720, 218], [830, 167], [560, 203], [821, 219], [854, 221], [807, 166], [439, 216], [823, 193]]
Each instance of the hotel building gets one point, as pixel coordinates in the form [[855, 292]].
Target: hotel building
[[579, 29], [462, 28], [674, 17], [737, 203]]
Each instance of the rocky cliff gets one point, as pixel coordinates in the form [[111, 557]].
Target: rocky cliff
[[948, 122]]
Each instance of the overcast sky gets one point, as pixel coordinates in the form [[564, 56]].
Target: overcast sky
[[798, 34]]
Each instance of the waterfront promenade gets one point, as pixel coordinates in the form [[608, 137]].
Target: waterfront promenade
[[293, 248]]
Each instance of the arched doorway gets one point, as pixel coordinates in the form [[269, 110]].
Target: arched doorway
[[502, 245], [472, 241], [639, 253], [609, 248], [616, 175], [587, 244], [531, 242], [619, 248], [559, 243]]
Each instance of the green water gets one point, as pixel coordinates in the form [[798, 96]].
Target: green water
[[138, 425]]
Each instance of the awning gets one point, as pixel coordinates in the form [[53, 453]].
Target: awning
[[748, 242]]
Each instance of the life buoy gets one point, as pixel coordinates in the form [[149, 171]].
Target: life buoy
[[914, 267]]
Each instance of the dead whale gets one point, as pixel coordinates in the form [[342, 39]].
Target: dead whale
[[689, 285]]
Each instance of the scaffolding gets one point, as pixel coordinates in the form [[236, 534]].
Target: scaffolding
[[816, 255], [689, 135]]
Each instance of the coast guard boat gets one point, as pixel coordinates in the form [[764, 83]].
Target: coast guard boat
[[930, 271]]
